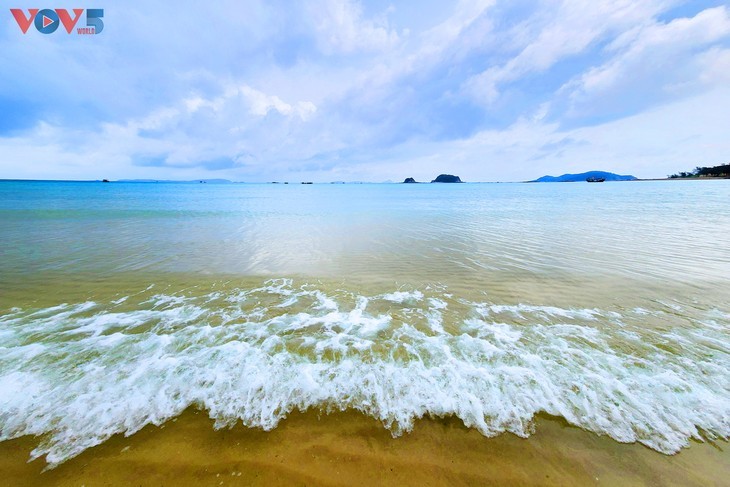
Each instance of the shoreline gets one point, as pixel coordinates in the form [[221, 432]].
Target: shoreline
[[349, 448], [322, 183]]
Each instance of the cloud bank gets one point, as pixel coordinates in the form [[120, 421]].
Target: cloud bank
[[346, 90]]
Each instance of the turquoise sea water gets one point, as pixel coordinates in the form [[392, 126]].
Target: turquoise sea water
[[122, 304]]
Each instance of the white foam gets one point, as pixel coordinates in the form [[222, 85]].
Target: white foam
[[79, 373], [401, 297], [521, 309]]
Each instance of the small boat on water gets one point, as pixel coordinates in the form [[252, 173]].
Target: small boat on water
[[595, 180]]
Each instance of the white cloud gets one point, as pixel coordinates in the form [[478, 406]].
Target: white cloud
[[655, 143], [418, 54], [674, 137], [714, 65], [558, 32], [336, 90], [341, 28], [261, 103], [661, 56], [234, 127]]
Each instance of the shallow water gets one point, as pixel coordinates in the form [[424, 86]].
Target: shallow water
[[123, 305]]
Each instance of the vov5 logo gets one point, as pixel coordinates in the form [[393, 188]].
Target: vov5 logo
[[46, 21]]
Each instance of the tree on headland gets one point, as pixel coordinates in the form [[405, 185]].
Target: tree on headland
[[722, 171]]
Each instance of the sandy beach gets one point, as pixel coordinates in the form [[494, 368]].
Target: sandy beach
[[347, 448]]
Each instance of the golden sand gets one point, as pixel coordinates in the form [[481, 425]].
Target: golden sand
[[351, 449]]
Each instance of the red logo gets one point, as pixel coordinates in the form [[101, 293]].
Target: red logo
[[46, 21]]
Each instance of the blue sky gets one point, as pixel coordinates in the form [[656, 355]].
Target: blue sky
[[330, 90]]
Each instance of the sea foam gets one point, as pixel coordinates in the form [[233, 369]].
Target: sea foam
[[78, 373]]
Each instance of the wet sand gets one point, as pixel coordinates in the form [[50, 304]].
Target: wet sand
[[352, 449]]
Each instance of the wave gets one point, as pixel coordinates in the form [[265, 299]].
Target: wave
[[79, 373]]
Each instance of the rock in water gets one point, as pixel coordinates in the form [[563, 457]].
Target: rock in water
[[410, 180], [447, 178]]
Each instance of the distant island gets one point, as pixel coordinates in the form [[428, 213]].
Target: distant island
[[722, 171], [447, 178], [441, 178], [571, 178]]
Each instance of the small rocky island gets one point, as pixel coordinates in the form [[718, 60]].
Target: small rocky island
[[442, 178], [447, 178]]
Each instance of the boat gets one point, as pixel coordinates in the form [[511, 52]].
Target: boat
[[595, 180]]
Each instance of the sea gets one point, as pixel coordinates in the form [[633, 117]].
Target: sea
[[125, 304]]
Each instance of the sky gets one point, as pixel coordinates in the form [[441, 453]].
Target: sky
[[347, 90]]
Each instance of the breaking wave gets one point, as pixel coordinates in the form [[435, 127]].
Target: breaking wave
[[78, 373]]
